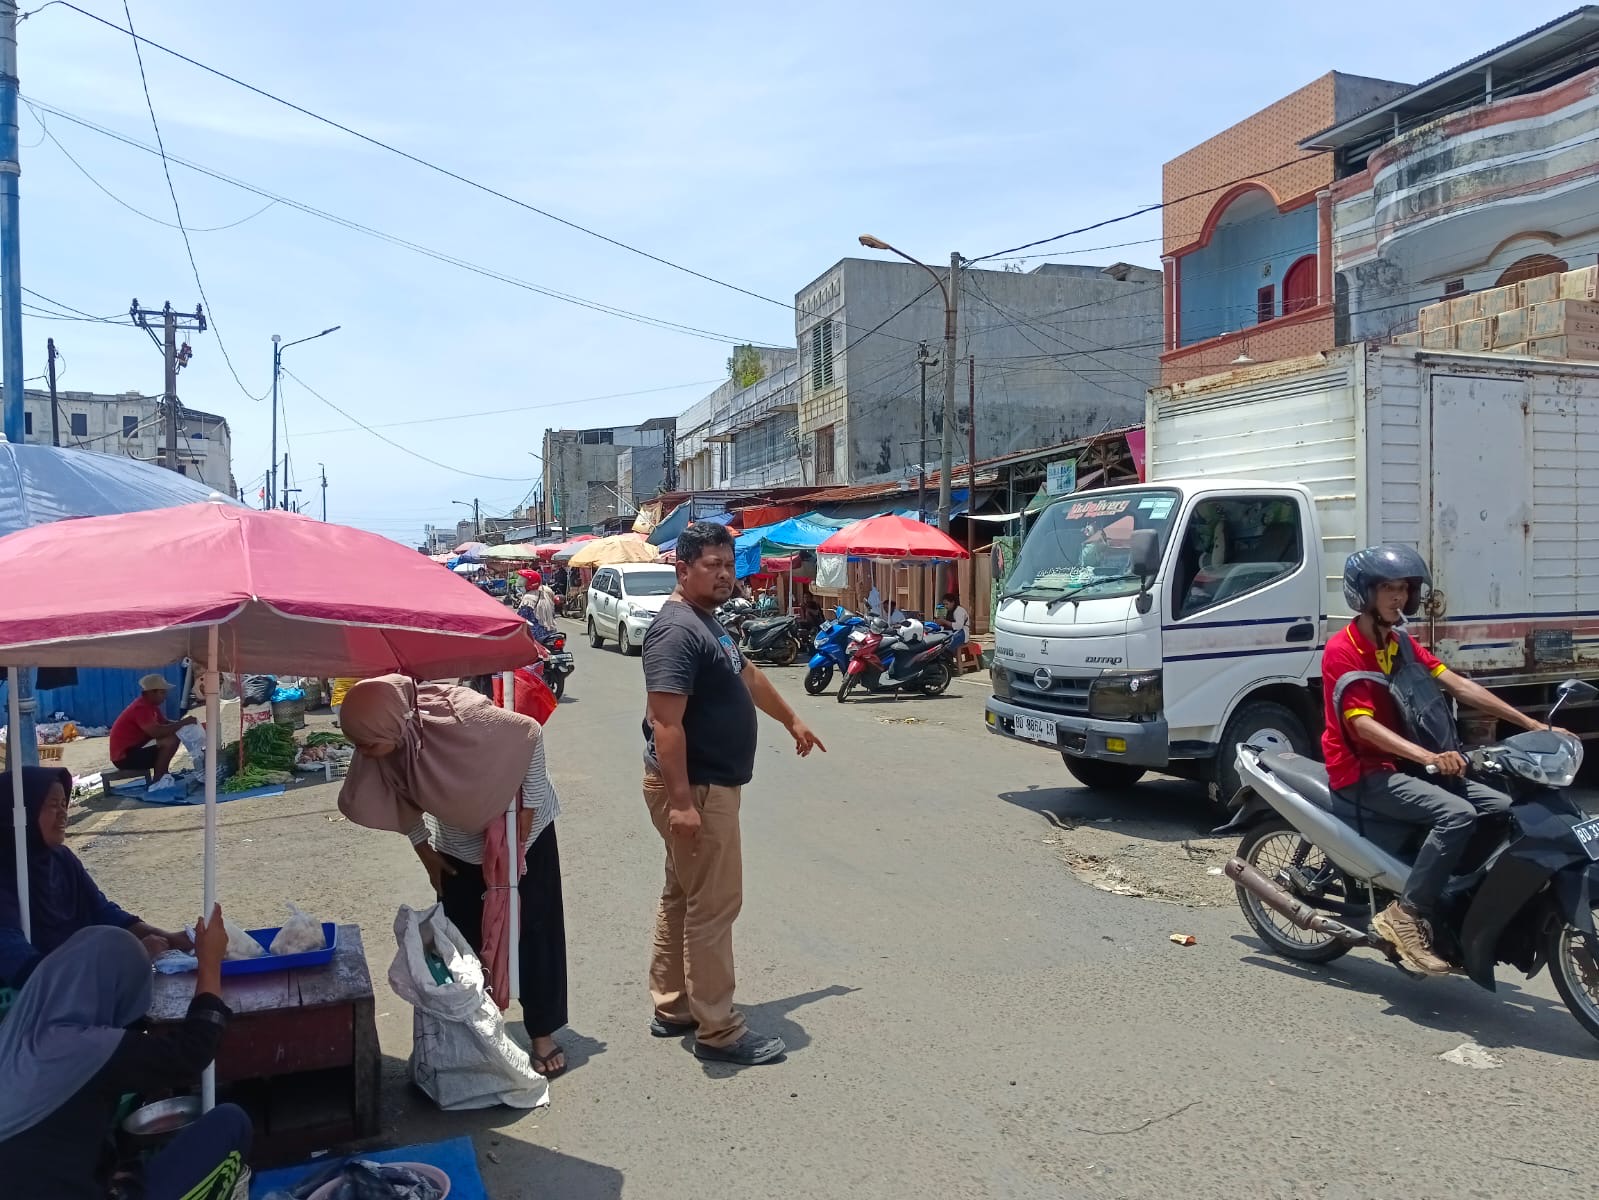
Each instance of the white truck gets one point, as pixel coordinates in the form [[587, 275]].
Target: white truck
[[1154, 627]]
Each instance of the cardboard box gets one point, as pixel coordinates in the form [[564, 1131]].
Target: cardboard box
[[1582, 284], [1408, 339], [1582, 347], [1501, 300], [1475, 335], [1511, 327], [1435, 316], [1541, 289], [1439, 339], [1555, 317], [1465, 308]]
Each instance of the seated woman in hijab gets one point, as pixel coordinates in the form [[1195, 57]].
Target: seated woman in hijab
[[62, 899], [453, 748], [68, 1055]]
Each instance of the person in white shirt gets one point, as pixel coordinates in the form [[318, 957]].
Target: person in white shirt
[[874, 602], [955, 614]]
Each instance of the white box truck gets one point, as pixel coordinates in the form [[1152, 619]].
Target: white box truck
[[1154, 627]]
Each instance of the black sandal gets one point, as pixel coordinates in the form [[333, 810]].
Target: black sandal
[[542, 1063]]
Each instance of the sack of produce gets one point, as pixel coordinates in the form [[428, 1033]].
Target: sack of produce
[[240, 944], [257, 689]]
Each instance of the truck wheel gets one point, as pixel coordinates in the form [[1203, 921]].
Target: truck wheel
[[1260, 723], [1102, 776]]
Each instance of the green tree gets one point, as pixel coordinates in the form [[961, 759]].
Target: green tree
[[745, 367]]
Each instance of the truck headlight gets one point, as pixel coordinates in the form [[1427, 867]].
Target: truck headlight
[[1125, 695], [1000, 678]]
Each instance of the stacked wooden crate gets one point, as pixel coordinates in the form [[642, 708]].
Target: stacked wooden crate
[[1552, 316]]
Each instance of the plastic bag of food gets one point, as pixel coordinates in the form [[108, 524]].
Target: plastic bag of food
[[301, 935], [240, 943]]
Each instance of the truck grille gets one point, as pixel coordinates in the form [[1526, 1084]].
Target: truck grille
[[1066, 694]]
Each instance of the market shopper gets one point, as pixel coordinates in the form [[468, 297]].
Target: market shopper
[[454, 750], [699, 739], [62, 898], [69, 1054], [142, 739]]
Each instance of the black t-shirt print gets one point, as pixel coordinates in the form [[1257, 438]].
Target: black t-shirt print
[[686, 653]]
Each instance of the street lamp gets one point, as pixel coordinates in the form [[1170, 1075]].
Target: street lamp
[[278, 347], [946, 462], [477, 524]]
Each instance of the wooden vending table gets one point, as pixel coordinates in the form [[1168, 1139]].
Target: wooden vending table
[[298, 1039]]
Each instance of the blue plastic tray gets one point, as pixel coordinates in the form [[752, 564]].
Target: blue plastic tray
[[283, 962]]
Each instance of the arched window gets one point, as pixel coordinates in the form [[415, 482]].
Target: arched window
[[1299, 286], [1531, 267]]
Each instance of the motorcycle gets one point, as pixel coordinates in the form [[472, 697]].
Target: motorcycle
[[832, 650], [560, 663], [774, 639], [1311, 871], [732, 615], [908, 658]]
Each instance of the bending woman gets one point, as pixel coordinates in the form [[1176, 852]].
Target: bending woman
[[68, 1056], [467, 758], [62, 899]]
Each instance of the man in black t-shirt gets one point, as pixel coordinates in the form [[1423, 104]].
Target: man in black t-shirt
[[699, 751]]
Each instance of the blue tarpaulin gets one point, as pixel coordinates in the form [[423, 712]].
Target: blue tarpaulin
[[101, 694], [796, 533], [678, 520]]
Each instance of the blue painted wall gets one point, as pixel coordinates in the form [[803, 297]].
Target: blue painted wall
[[101, 694], [1219, 281]]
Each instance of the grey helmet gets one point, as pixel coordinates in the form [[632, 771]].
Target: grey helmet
[[1365, 569]]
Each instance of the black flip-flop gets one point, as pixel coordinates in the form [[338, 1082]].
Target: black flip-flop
[[541, 1063]]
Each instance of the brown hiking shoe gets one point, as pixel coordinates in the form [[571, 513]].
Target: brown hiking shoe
[[1411, 937]]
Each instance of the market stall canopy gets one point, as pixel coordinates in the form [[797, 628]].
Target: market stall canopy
[[796, 533], [894, 539], [469, 568], [618, 548], [681, 518], [290, 595], [553, 550], [509, 554], [41, 484]]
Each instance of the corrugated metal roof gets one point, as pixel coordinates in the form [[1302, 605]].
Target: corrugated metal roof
[[1449, 89]]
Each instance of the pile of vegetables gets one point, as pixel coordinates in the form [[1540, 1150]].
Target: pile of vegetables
[[269, 752]]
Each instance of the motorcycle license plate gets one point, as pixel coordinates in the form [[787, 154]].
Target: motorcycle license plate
[[1588, 834], [1039, 730]]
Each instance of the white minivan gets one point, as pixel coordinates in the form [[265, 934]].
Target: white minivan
[[624, 599]]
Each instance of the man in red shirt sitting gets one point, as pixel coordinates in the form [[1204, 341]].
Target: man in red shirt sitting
[[142, 739], [1365, 744]]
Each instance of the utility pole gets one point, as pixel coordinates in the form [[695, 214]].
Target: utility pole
[[324, 491], [278, 347], [947, 461], [923, 360], [11, 386], [971, 468], [176, 359], [285, 492], [55, 413], [477, 520]]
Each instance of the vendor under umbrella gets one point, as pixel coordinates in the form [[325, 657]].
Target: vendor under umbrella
[[62, 899]]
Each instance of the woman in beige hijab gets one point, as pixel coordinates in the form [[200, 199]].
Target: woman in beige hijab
[[439, 763]]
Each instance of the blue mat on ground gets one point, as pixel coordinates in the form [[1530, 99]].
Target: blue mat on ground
[[456, 1158], [174, 799]]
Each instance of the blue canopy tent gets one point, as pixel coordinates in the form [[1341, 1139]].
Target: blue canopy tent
[[786, 537], [679, 519]]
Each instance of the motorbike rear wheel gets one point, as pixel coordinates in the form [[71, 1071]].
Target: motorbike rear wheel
[[1575, 968], [557, 686], [817, 679], [935, 681], [1270, 848], [785, 652], [845, 688]]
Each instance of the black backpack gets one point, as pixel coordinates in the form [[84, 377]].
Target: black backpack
[[1424, 707]]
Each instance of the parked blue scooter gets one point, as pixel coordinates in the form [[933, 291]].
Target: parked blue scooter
[[832, 650]]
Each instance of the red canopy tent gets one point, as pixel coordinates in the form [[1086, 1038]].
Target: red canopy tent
[[893, 538], [244, 590]]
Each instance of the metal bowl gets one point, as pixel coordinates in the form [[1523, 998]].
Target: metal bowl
[[158, 1123]]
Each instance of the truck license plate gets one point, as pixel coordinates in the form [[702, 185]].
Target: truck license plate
[[1040, 730], [1588, 834]]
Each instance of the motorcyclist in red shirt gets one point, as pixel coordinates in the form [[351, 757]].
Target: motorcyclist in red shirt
[[1371, 758]]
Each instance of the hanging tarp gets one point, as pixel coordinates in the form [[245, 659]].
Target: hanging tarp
[[647, 518], [832, 572], [681, 518]]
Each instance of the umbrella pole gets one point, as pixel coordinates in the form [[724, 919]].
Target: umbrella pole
[[19, 812], [513, 906], [213, 722]]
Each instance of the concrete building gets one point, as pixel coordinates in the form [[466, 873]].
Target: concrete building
[[1484, 175], [745, 437], [581, 470], [1061, 351], [1248, 234], [130, 424]]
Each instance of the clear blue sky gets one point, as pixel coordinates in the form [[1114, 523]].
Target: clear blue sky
[[750, 142]]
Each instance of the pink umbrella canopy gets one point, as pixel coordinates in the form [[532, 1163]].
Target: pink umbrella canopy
[[892, 537], [289, 594]]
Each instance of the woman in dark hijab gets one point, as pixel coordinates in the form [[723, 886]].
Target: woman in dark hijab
[[62, 899], [67, 1056]]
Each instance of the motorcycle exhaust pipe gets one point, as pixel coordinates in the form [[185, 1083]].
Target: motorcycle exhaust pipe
[[1297, 911]]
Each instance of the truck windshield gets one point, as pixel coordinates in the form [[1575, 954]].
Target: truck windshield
[[1081, 545]]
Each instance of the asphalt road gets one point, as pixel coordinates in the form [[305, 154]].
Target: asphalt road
[[964, 1017]]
